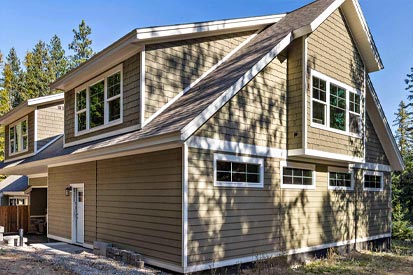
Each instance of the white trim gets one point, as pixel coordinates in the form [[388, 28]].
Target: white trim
[[235, 147], [340, 170], [40, 175], [323, 155], [305, 92], [35, 132], [45, 99], [50, 142], [242, 159], [82, 186], [212, 26], [165, 106], [372, 166], [102, 136], [326, 13], [86, 86], [65, 240], [253, 258], [142, 86], [162, 264], [191, 127], [185, 205], [298, 165], [19, 157], [373, 173], [11, 125]]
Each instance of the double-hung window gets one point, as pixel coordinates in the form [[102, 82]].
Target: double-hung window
[[297, 175], [99, 102], [335, 106], [18, 137], [340, 178], [238, 171]]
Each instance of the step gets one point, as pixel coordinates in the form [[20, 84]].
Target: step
[[14, 240]]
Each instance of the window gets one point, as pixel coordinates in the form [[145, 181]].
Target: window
[[340, 178], [335, 106], [99, 102], [17, 201], [238, 171], [373, 181], [297, 175], [18, 137]]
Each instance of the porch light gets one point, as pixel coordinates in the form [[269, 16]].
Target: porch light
[[68, 190]]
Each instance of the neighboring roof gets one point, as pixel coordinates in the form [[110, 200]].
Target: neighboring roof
[[382, 128], [14, 183], [28, 106]]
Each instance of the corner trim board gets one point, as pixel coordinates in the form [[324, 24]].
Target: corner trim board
[[142, 87], [185, 205], [218, 264], [235, 147]]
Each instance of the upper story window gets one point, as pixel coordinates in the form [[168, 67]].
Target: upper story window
[[238, 171], [99, 102], [373, 181], [335, 106], [297, 175], [340, 179], [18, 137]]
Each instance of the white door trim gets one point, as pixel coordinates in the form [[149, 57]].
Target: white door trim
[[77, 185]]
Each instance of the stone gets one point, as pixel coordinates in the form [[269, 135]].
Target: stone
[[100, 248]]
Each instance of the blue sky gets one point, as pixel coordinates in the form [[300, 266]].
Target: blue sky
[[23, 23]]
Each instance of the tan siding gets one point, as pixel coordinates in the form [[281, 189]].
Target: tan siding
[[227, 223], [50, 123], [131, 97], [257, 114], [59, 206], [332, 52], [374, 150], [38, 181], [30, 118], [295, 95], [172, 66], [139, 203]]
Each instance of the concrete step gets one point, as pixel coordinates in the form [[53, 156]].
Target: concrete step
[[14, 240]]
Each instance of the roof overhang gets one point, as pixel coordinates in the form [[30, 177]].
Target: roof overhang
[[359, 30], [382, 128], [15, 193], [133, 42], [28, 106]]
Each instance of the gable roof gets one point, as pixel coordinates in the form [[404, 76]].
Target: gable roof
[[14, 183], [28, 106]]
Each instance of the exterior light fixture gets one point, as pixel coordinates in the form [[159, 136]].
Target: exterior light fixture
[[68, 190]]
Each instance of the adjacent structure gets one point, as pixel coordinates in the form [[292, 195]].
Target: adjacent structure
[[209, 144]]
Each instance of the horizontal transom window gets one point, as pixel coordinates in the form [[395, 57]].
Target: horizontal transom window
[[297, 175], [238, 171], [99, 102], [18, 137], [335, 106]]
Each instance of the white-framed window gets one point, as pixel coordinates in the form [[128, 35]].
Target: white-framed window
[[17, 201], [98, 103], [238, 171], [373, 181], [335, 106], [340, 178], [297, 175], [19, 136]]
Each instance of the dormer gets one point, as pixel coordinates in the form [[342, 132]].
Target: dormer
[[32, 125]]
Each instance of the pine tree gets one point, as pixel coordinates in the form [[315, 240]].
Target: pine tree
[[58, 59], [12, 76], [39, 72], [81, 45], [403, 135], [409, 87]]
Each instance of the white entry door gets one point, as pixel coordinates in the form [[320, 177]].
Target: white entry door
[[78, 214]]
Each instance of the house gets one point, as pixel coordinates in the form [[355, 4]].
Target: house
[[29, 129], [211, 144]]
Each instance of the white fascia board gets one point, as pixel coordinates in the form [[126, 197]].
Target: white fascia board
[[212, 26], [323, 155], [45, 99], [192, 126], [371, 166]]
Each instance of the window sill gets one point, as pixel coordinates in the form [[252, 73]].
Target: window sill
[[340, 188], [18, 153], [101, 127], [238, 184], [373, 189], [325, 128], [292, 186]]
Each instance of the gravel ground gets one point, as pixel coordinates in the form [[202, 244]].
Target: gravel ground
[[30, 260]]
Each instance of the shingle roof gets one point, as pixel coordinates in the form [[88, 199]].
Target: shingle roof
[[14, 183], [204, 93]]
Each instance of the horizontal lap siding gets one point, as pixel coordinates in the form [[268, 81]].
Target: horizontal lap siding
[[50, 124], [295, 95], [131, 97], [59, 206], [332, 52], [38, 181], [172, 66], [30, 121], [257, 114], [374, 150], [139, 204]]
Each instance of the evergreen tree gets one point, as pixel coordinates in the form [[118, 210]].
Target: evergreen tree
[[39, 72], [12, 78], [403, 135], [409, 87], [81, 44], [58, 59]]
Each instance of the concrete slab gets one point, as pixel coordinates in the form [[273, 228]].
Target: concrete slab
[[60, 248]]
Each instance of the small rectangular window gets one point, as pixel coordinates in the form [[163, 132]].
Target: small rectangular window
[[355, 114], [373, 181], [18, 137], [319, 101], [297, 175], [340, 178], [237, 171]]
